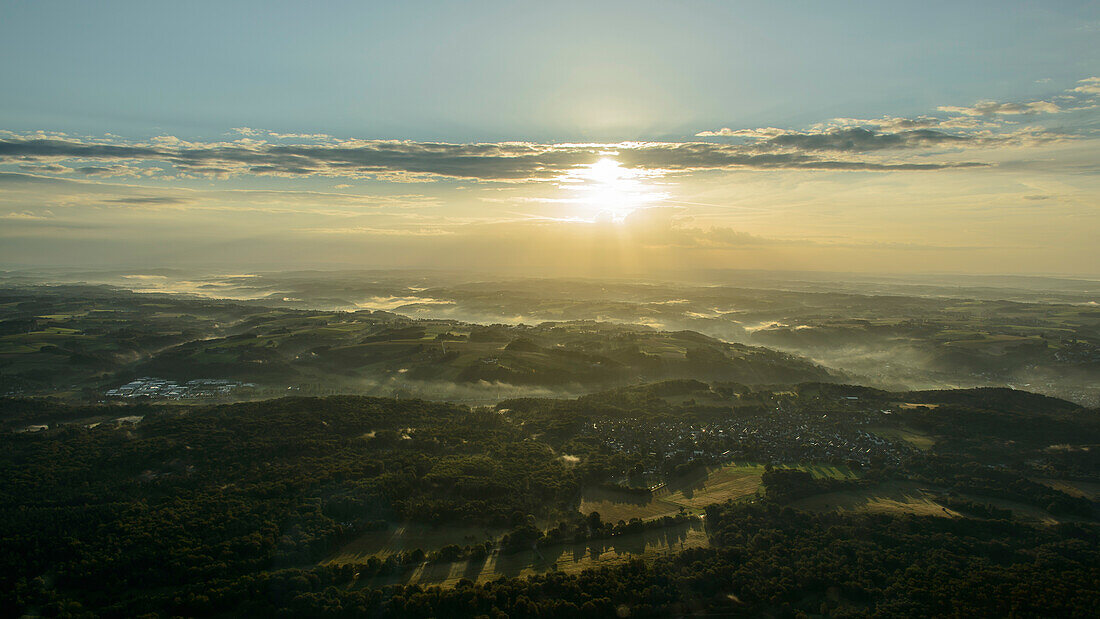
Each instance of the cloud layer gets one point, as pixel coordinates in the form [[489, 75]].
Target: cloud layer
[[882, 144], [509, 162]]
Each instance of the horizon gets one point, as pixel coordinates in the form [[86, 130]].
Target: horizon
[[510, 308], [607, 141]]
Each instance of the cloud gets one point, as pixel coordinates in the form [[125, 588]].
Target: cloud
[[726, 132], [375, 231], [405, 161], [16, 178], [981, 125], [507, 161], [147, 200], [990, 108], [48, 147], [708, 156], [839, 144], [52, 168], [299, 136], [864, 140], [1089, 85], [28, 216]]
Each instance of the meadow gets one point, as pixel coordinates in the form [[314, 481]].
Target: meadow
[[693, 492], [567, 558]]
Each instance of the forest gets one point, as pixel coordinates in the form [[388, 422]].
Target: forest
[[237, 508]]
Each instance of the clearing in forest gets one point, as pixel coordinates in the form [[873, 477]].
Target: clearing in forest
[[409, 536], [568, 558], [692, 492], [918, 440], [895, 497]]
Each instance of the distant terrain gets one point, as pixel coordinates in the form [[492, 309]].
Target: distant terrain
[[85, 341], [1033, 333]]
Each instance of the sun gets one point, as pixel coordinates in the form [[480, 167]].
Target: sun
[[605, 170], [609, 192]]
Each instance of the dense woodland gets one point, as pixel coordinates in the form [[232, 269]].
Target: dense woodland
[[234, 508], [205, 494]]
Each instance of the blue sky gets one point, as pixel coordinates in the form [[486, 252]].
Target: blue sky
[[592, 138], [545, 71]]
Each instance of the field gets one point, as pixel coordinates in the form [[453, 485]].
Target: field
[[692, 492], [898, 497], [918, 440], [889, 497], [1088, 490], [410, 536], [568, 558]]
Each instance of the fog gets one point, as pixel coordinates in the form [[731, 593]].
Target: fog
[[1039, 334]]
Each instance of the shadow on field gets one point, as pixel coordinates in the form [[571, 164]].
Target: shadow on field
[[564, 557]]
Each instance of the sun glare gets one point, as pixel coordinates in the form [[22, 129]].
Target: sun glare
[[608, 192]]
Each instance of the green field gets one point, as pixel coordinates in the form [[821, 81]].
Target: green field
[[693, 492], [918, 440], [891, 497], [410, 536], [900, 497], [1088, 490]]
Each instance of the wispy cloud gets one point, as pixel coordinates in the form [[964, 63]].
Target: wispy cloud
[[1089, 85], [981, 125], [990, 108], [147, 200]]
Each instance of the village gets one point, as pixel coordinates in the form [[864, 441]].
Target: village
[[780, 437], [160, 388]]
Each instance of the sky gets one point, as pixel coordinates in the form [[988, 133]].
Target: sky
[[566, 138]]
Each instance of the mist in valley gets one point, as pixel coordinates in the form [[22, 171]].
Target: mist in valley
[[1038, 334]]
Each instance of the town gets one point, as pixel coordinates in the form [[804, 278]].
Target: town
[[781, 437], [159, 388]]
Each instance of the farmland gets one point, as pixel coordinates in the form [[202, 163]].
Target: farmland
[[691, 493], [916, 439], [567, 558], [886, 498]]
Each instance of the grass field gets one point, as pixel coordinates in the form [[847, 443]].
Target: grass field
[[410, 536], [891, 497], [614, 506], [693, 492], [918, 440], [568, 558], [1088, 490], [899, 497]]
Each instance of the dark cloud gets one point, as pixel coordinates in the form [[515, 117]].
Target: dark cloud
[[147, 200], [476, 161], [72, 150], [94, 170], [52, 168], [502, 161], [704, 155], [861, 140]]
